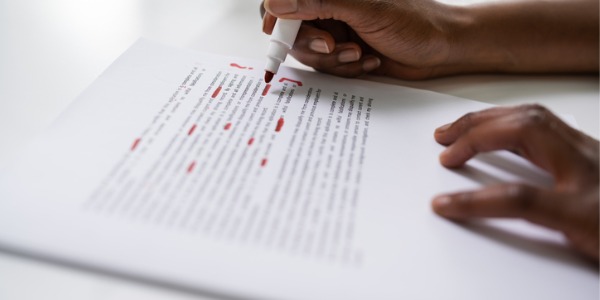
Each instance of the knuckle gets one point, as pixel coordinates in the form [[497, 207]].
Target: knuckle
[[464, 202], [468, 118], [522, 197], [535, 116], [313, 60], [466, 121]]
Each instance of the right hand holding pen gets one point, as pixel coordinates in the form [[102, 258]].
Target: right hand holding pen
[[402, 39], [418, 39]]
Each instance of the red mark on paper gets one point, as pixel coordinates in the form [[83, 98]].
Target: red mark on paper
[[216, 93], [192, 130], [263, 163], [227, 126], [299, 83], [279, 125], [135, 144], [250, 141], [240, 67], [266, 90], [191, 167]]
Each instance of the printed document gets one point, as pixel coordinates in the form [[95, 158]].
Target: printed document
[[187, 169]]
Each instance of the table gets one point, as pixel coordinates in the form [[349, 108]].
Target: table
[[53, 49]]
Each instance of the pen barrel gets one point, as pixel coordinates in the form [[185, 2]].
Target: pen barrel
[[285, 32], [276, 55], [282, 40]]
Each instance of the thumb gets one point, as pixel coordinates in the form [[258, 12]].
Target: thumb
[[311, 9]]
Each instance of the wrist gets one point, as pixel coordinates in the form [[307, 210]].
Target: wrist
[[457, 48], [474, 43], [522, 37]]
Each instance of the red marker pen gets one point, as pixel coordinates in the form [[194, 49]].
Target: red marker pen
[[282, 39]]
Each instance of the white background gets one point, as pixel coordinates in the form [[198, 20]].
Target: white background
[[52, 49]]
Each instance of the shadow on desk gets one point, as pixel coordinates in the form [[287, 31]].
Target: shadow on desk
[[552, 251], [497, 89], [524, 172]]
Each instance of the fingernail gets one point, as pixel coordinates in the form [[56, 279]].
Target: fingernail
[[443, 128], [443, 157], [371, 64], [441, 203], [350, 55], [264, 23], [281, 6], [319, 45]]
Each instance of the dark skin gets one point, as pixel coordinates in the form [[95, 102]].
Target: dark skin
[[571, 206], [418, 39]]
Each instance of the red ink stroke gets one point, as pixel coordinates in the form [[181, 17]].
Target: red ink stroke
[[299, 83], [240, 67], [266, 90], [192, 130], [135, 144], [216, 93], [250, 141], [263, 163], [227, 126], [191, 167], [279, 125]]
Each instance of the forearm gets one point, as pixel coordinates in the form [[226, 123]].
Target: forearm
[[527, 36]]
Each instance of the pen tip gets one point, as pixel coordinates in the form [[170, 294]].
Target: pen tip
[[269, 76]]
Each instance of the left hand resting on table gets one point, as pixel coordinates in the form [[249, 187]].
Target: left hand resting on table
[[533, 132]]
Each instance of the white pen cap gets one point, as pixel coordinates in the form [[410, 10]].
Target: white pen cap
[[282, 39], [276, 55]]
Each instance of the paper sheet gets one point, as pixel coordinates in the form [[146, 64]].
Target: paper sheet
[[235, 158], [188, 169]]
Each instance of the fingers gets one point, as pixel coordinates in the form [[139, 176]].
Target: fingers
[[540, 136], [448, 133], [326, 45], [503, 201], [279, 7], [346, 59], [313, 40], [307, 51], [485, 137], [344, 55], [365, 65], [531, 130], [317, 48], [575, 217], [268, 23]]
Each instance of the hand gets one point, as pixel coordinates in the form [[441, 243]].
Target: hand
[[417, 39], [402, 38], [570, 206]]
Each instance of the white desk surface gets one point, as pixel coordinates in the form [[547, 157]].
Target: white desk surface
[[52, 49]]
